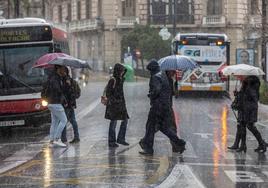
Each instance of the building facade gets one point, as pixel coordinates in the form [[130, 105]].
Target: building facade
[[97, 26]]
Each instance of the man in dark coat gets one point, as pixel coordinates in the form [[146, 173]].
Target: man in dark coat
[[248, 112], [160, 114], [116, 106]]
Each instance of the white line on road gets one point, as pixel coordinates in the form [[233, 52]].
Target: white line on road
[[181, 174], [87, 110]]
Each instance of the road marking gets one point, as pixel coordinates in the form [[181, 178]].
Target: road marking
[[87, 110], [243, 176], [181, 175], [161, 171], [204, 135]]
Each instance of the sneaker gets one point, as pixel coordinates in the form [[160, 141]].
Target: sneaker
[[74, 141], [59, 143], [123, 143]]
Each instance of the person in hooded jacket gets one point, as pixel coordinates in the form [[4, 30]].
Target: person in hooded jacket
[[248, 114], [154, 68], [160, 114], [116, 106]]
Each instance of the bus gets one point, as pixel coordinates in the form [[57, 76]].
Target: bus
[[211, 52], [22, 42]]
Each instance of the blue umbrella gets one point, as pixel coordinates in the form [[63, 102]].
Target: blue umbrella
[[177, 62]]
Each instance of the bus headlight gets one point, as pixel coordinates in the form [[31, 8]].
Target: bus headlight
[[44, 103]]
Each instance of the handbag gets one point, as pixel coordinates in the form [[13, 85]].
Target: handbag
[[104, 98]]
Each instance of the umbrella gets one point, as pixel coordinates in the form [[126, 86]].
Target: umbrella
[[1, 74], [242, 69], [70, 61], [177, 62], [63, 59], [43, 61]]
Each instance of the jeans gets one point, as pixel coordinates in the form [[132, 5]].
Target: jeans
[[58, 121], [122, 131], [71, 117]]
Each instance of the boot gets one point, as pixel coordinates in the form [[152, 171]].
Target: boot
[[235, 146], [262, 144], [243, 146]]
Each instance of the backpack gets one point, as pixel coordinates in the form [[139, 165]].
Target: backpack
[[104, 99], [76, 89]]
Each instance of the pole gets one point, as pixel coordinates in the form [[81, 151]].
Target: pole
[[264, 17], [17, 8], [43, 9], [174, 16]]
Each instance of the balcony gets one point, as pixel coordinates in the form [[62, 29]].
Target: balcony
[[127, 22], [62, 26], [181, 19], [214, 20], [84, 25], [255, 21]]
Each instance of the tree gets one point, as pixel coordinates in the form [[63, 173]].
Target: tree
[[147, 40]]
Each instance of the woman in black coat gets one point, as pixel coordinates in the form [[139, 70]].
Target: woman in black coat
[[248, 113], [116, 106]]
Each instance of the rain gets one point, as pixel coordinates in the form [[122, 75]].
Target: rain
[[133, 93]]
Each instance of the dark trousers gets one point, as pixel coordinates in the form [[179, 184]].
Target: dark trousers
[[252, 128], [160, 120], [71, 117], [121, 134]]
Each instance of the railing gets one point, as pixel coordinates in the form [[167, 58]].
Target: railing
[[183, 19], [83, 25], [62, 26], [127, 21], [214, 20]]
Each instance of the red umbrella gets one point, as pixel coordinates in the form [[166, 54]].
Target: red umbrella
[[43, 61]]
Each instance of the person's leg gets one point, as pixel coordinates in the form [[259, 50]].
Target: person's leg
[[121, 138], [54, 123], [60, 113], [252, 128], [243, 135], [74, 125], [112, 134], [235, 146]]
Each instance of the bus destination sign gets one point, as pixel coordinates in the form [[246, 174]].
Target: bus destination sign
[[25, 34]]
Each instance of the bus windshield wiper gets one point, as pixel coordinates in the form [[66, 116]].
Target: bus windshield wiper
[[23, 83]]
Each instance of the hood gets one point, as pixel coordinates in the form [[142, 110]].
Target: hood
[[153, 66], [118, 68]]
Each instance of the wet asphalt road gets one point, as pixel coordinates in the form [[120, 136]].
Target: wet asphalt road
[[205, 122]]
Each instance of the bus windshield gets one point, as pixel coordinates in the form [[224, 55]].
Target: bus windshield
[[16, 63]]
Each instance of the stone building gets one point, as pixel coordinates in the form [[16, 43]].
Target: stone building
[[97, 26]]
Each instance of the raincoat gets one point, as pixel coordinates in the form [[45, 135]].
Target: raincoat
[[116, 105]]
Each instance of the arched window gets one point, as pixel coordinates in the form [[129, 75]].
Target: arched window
[[214, 7], [159, 11]]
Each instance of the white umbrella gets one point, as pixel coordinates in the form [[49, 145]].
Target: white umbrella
[[242, 69], [70, 61]]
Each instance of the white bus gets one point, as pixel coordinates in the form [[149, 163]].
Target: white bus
[[211, 52]]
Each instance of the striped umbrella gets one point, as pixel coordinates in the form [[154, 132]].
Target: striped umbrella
[[177, 62]]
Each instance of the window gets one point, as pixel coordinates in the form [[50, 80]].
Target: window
[[88, 9], [60, 13], [128, 8], [158, 12], [78, 10], [214, 7], [184, 12], [69, 9], [254, 7]]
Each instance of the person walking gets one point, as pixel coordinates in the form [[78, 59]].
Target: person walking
[[53, 93], [248, 113], [160, 114], [116, 107], [72, 92]]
